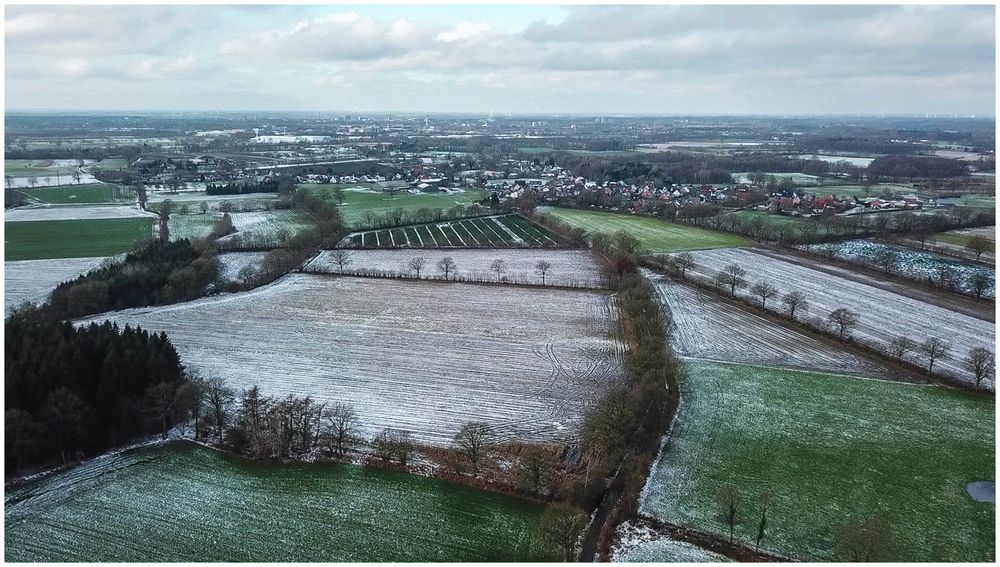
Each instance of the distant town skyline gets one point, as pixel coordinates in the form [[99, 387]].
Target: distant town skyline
[[668, 60]]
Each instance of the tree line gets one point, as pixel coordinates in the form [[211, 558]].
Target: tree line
[[979, 361], [73, 391]]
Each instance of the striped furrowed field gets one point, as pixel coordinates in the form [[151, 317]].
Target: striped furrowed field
[[426, 357], [504, 231], [185, 503], [829, 448], [709, 329], [884, 315], [31, 281]]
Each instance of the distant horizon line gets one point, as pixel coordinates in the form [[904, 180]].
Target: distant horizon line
[[501, 114]]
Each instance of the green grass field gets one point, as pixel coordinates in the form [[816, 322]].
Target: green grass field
[[828, 448], [83, 193], [38, 240], [357, 202], [36, 167], [655, 235], [184, 503]]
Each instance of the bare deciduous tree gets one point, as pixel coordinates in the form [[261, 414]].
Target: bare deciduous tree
[[341, 420], [542, 267], [498, 266], [728, 499], [980, 363], [219, 399], [764, 290], [979, 281], [447, 266], [794, 301], [683, 262], [733, 277], [417, 264], [340, 257], [560, 527], [475, 440], [899, 347], [979, 245], [862, 540], [934, 349], [536, 467], [764, 501], [844, 319]]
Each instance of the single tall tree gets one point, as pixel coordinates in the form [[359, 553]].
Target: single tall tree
[[934, 349], [474, 440], [728, 499], [794, 301], [542, 267], [560, 527], [733, 277], [979, 245], [764, 290], [844, 319], [446, 265], [417, 264], [498, 267], [980, 363]]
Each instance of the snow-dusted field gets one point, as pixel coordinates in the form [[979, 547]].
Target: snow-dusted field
[[267, 226], [231, 263], [884, 315], [709, 329], [987, 231], [33, 280], [52, 180], [575, 268], [422, 356], [74, 212]]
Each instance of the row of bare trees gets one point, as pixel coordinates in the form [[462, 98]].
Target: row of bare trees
[[978, 361], [447, 267]]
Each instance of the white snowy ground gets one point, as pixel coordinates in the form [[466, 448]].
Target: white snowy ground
[[884, 315], [575, 268], [74, 212], [33, 280], [422, 356], [641, 544], [708, 329], [231, 263]]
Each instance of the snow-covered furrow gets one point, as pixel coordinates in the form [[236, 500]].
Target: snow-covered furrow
[[31, 281], [883, 315], [709, 329], [425, 357], [572, 268]]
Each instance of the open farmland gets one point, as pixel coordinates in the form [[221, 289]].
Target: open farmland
[[572, 268], [37, 240], [33, 280], [266, 228], [655, 235], [192, 225], [71, 212], [526, 360], [830, 448], [84, 193], [883, 315], [194, 199], [362, 197], [913, 264], [707, 328], [207, 506], [503, 231]]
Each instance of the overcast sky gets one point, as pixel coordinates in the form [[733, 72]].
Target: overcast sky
[[629, 59]]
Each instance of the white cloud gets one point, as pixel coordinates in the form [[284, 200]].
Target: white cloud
[[652, 58]]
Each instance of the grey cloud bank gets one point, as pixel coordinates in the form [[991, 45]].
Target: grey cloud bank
[[650, 59]]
